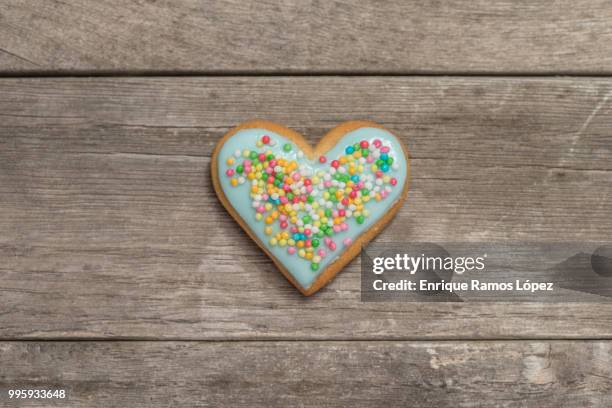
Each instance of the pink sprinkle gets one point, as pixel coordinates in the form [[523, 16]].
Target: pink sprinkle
[[283, 224], [282, 217], [272, 163], [342, 213], [334, 213], [229, 172], [270, 179], [344, 226], [384, 149], [309, 189], [247, 169], [265, 196], [283, 200], [347, 241], [383, 193], [321, 253], [293, 229], [377, 143], [269, 170], [296, 176], [265, 139], [308, 243], [261, 209], [345, 201], [262, 157], [393, 181], [327, 240], [332, 246], [327, 184], [337, 228], [291, 250], [307, 231], [322, 159], [247, 163], [370, 159], [360, 184], [353, 194], [379, 174]]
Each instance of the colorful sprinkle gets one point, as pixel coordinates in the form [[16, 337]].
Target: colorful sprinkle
[[304, 209]]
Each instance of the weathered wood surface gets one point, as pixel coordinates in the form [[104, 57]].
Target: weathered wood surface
[[565, 36], [110, 227], [312, 374]]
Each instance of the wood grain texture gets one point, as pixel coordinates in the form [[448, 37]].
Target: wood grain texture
[[110, 227], [312, 374], [561, 36]]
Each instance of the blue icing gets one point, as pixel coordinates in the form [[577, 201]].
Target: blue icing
[[240, 199]]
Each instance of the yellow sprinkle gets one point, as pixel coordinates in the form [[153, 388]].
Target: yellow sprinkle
[[291, 242], [230, 161], [308, 255], [258, 216], [268, 230], [273, 241], [302, 253], [234, 182], [282, 242]]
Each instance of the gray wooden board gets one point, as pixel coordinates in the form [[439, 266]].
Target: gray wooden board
[[553, 374], [565, 36], [110, 228]]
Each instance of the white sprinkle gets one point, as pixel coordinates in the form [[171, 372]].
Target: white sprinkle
[[237, 153], [379, 182]]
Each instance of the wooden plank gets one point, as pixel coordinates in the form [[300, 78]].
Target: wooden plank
[[110, 227], [312, 374], [564, 36]]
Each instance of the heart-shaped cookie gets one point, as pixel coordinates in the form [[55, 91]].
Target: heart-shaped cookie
[[311, 209]]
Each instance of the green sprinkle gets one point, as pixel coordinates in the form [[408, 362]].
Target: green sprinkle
[[287, 147], [314, 266], [365, 152], [315, 243], [360, 219], [239, 168], [253, 155]]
